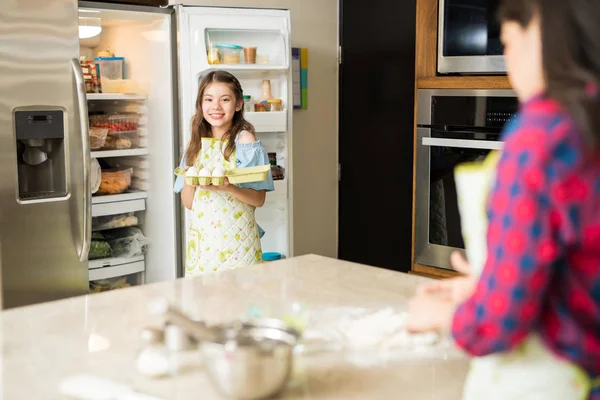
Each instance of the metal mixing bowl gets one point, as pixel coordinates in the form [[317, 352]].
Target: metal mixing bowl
[[253, 360]]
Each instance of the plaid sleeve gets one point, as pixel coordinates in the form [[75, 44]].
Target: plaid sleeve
[[521, 247]]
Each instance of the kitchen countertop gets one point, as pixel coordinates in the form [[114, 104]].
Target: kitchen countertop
[[99, 334]]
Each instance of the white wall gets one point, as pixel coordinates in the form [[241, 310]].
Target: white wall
[[315, 138]]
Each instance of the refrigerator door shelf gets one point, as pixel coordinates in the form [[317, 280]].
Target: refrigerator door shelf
[[273, 121], [233, 68]]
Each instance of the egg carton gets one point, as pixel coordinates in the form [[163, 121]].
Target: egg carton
[[235, 176]]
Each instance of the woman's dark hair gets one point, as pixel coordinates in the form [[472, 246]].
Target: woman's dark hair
[[570, 31], [201, 128]]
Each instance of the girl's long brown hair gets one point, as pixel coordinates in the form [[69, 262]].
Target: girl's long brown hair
[[201, 128], [570, 54]]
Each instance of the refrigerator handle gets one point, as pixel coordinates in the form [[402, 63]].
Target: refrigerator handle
[[85, 141]]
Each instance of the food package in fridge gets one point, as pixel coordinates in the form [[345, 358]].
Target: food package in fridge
[[121, 141], [127, 242], [114, 221], [115, 181], [97, 137], [99, 247], [104, 285], [116, 123], [95, 175], [120, 86]]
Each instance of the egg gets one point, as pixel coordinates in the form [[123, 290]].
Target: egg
[[192, 171], [204, 172], [219, 171]]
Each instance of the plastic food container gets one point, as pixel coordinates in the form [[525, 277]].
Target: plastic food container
[[120, 86], [271, 256], [110, 67], [97, 137], [229, 53], [114, 221], [116, 123], [115, 181], [108, 284], [121, 141]]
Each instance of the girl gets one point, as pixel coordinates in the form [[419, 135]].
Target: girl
[[223, 233], [533, 316]]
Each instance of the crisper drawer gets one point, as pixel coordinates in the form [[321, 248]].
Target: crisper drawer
[[118, 207], [115, 270]]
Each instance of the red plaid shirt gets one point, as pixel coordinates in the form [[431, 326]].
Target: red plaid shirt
[[543, 268]]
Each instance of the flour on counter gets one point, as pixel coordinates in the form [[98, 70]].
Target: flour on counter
[[361, 329]]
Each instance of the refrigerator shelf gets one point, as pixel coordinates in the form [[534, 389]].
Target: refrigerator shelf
[[113, 261], [270, 121], [117, 271], [111, 198], [119, 153], [246, 67], [118, 207], [114, 96]]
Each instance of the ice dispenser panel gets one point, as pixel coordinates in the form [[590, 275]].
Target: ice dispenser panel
[[40, 146]]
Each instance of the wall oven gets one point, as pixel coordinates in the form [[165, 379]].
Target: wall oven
[[469, 37], [453, 126]]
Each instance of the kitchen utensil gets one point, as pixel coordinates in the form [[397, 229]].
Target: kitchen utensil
[[197, 330], [34, 156], [253, 361]]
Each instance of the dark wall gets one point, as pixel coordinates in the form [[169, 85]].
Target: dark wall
[[376, 131]]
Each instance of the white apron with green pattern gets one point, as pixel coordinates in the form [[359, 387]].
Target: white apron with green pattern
[[223, 233], [531, 371]]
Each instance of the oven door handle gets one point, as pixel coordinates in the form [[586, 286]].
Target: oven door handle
[[464, 143]]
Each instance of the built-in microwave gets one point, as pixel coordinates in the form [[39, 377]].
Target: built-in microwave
[[453, 126], [469, 37]]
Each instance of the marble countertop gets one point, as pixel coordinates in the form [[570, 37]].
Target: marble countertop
[[98, 334]]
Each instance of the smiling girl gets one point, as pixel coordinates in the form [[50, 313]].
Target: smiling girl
[[223, 233]]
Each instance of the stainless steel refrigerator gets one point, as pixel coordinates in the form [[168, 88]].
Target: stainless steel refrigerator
[[44, 154]]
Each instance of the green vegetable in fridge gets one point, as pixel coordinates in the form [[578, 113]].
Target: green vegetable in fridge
[[99, 249]]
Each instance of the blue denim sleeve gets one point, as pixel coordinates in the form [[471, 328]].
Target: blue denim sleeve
[[253, 155]]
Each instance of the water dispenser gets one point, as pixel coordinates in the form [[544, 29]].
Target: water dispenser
[[41, 158]]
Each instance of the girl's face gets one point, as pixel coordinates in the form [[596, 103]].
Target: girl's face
[[523, 55], [219, 105]]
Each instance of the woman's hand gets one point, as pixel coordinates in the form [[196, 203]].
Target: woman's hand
[[434, 305], [456, 289], [429, 312]]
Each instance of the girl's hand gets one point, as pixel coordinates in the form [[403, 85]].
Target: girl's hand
[[225, 187], [457, 289], [429, 312]]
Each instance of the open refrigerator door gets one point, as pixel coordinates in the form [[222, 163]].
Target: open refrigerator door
[[129, 68], [253, 45]]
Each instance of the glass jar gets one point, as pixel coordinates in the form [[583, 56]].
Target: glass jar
[[248, 104], [274, 105], [260, 107]]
